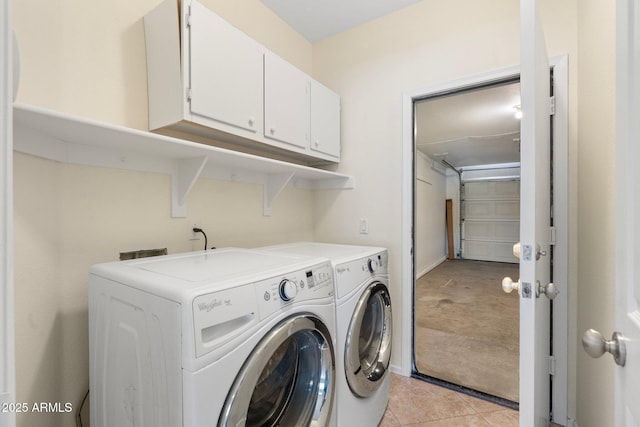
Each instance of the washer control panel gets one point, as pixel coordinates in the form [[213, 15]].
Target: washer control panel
[[221, 315], [298, 286]]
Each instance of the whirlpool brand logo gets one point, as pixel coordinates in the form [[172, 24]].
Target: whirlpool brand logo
[[341, 270], [208, 306]]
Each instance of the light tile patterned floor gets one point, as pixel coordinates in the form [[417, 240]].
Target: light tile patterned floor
[[419, 404]]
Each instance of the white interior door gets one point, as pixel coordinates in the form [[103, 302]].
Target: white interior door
[[7, 362], [627, 280], [534, 220]]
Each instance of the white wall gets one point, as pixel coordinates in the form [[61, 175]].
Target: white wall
[[87, 58], [430, 222]]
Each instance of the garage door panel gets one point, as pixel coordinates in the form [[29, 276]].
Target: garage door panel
[[492, 209], [488, 251], [507, 232], [507, 189], [509, 209], [477, 190], [477, 209], [504, 252], [491, 220], [491, 190]]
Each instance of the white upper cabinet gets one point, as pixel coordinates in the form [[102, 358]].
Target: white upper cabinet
[[225, 67], [325, 120], [286, 102], [217, 82]]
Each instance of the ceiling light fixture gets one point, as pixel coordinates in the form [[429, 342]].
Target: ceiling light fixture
[[518, 112]]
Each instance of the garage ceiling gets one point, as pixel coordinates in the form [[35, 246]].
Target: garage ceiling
[[471, 128]]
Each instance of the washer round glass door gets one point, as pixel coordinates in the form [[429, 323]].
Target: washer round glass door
[[289, 378], [368, 342]]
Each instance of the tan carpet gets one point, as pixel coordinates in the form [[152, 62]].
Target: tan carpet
[[467, 327]]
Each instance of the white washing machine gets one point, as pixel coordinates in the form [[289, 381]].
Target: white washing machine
[[363, 314], [229, 337]]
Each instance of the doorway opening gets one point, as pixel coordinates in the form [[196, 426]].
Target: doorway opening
[[466, 221], [564, 212]]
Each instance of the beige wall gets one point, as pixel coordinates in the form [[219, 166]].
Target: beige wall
[[430, 228], [87, 58], [596, 197]]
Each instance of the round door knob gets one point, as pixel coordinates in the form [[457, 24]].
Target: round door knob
[[516, 250], [509, 285], [595, 345], [251, 121], [550, 290]]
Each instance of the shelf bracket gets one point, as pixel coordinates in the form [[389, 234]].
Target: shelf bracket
[[184, 175], [273, 186]]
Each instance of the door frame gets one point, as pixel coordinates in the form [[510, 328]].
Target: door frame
[[7, 332], [564, 271]]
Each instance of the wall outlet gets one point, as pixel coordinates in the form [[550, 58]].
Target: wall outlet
[[192, 234], [364, 226]]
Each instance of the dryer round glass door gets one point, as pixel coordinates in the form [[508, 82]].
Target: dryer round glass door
[[368, 342], [289, 378]]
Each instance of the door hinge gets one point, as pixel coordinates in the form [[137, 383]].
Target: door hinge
[[552, 105], [552, 235], [188, 94], [187, 17], [552, 365]]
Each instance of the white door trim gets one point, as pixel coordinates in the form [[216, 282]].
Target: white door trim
[[564, 271], [7, 356]]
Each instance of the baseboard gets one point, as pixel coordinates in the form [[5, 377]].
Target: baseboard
[[430, 267], [397, 370]]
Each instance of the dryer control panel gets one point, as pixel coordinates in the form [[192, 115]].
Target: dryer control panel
[[351, 275]]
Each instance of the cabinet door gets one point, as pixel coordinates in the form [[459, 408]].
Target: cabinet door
[[286, 102], [225, 67], [325, 120]]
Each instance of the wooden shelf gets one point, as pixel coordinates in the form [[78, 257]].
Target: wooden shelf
[[71, 139]]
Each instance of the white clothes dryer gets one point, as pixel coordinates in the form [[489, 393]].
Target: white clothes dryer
[[229, 337], [363, 322]]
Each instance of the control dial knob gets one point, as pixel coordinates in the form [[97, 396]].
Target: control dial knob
[[288, 290], [372, 264]]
